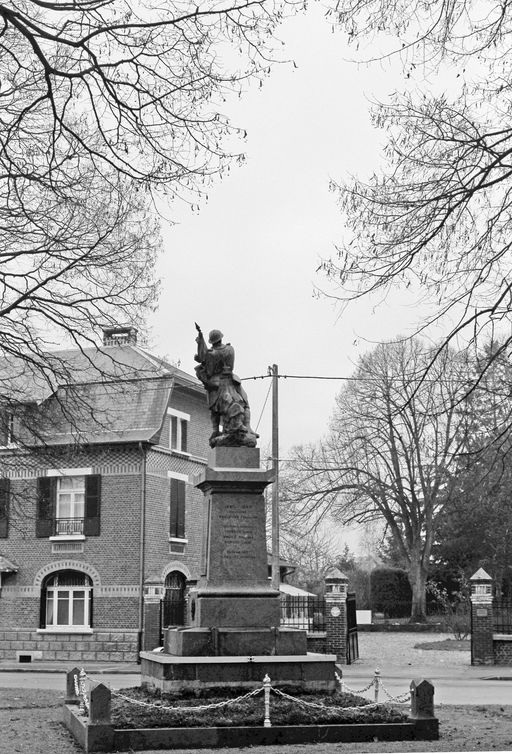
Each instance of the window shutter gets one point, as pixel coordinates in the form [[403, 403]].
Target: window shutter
[[177, 517], [46, 498], [42, 606], [174, 433], [181, 509], [184, 428], [4, 427], [4, 507], [92, 505]]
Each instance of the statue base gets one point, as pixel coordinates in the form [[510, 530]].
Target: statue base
[[233, 637]]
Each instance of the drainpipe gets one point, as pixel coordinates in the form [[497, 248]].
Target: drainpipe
[[142, 545]]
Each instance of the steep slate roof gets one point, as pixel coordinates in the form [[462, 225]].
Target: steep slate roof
[[109, 394]]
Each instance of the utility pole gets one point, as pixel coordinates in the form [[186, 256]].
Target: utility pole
[[274, 371]]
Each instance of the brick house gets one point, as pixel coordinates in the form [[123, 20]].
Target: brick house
[[97, 502]]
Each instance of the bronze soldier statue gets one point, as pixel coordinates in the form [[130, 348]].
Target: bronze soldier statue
[[227, 400]]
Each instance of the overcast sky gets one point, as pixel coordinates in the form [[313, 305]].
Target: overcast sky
[[245, 263]]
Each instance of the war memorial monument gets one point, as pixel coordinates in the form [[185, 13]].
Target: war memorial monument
[[233, 636]]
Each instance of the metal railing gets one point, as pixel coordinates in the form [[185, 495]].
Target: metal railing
[[303, 612], [502, 611], [68, 526]]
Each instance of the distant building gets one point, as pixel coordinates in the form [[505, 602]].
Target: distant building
[[97, 500]]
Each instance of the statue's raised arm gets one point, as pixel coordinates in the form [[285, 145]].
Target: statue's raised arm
[[227, 400]]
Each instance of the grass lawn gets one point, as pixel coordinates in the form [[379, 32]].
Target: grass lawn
[[446, 645]]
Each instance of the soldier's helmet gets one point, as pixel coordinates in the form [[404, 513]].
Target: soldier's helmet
[[215, 336]]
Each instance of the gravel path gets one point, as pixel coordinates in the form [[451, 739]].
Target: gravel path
[[398, 648]]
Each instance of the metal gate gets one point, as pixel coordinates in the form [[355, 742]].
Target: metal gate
[[172, 607], [352, 640]]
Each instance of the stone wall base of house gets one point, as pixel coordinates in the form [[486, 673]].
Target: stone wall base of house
[[104, 645]]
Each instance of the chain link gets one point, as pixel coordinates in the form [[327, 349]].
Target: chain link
[[400, 699], [331, 708], [197, 708], [358, 691], [404, 698]]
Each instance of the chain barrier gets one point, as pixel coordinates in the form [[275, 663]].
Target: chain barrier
[[329, 707], [404, 698], [266, 689], [377, 683], [196, 708]]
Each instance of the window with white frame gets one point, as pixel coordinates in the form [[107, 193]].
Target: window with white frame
[[70, 505], [66, 601], [178, 430]]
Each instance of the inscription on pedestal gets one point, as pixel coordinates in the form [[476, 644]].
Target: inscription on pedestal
[[240, 551]]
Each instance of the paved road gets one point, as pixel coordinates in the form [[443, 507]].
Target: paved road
[[57, 681], [450, 687]]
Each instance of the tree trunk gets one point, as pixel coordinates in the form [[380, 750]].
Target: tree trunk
[[418, 579]]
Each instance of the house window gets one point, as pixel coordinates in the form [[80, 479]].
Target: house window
[[66, 601], [177, 509], [178, 430], [68, 505], [70, 499]]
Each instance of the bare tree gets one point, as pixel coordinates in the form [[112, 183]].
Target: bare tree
[[101, 104], [438, 216], [390, 452]]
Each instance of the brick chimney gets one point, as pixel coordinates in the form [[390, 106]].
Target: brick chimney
[[120, 336]]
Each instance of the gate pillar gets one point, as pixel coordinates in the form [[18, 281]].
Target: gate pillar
[[482, 620], [153, 593], [336, 584]]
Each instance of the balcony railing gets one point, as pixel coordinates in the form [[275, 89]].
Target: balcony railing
[[67, 526]]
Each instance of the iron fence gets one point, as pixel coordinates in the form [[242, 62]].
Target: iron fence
[[502, 611], [303, 612]]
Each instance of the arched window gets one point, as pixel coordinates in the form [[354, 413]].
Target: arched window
[[66, 600]]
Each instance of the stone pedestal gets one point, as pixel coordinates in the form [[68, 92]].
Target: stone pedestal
[[234, 589], [234, 636]]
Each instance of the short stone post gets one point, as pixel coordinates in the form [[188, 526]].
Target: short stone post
[[422, 710], [72, 681], [100, 701], [336, 585], [99, 731], [153, 593], [482, 619], [422, 699]]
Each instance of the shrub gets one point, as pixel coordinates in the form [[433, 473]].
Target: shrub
[[390, 592]]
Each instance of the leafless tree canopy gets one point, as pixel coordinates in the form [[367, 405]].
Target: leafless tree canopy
[[438, 217], [391, 450], [101, 102]]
